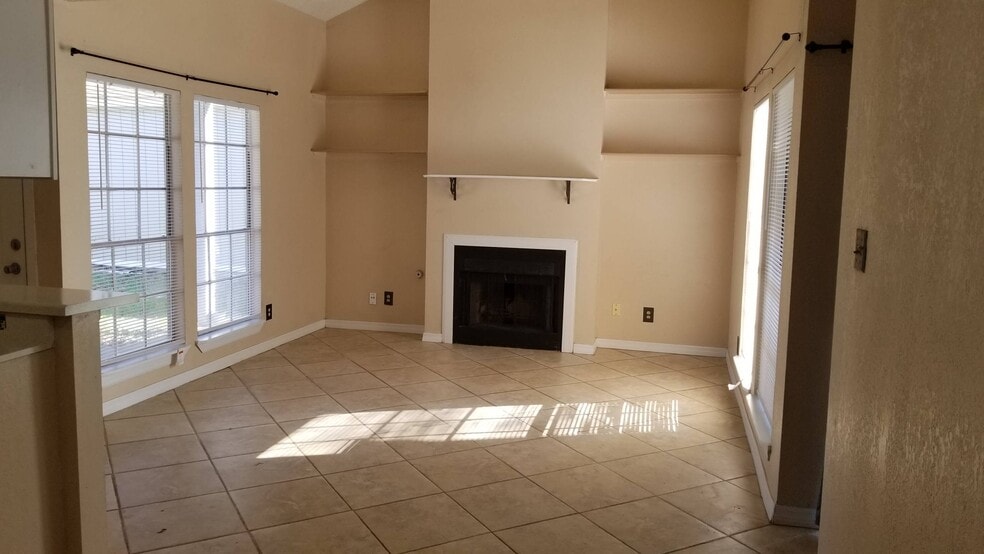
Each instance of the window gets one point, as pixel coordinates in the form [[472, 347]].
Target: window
[[133, 208], [227, 214]]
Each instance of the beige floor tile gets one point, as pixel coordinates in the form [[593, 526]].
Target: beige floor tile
[[131, 456], [652, 526], [635, 366], [308, 431], [421, 522], [287, 390], [603, 355], [387, 361], [591, 372], [749, 482], [468, 407], [166, 403], [436, 356], [330, 369], [523, 399], [284, 463], [776, 539], [266, 375], [716, 375], [280, 503], [115, 542], [512, 364], [180, 521], [561, 420], [716, 396], [336, 533], [481, 352], [567, 535], [680, 362], [216, 419], [675, 381], [429, 392], [418, 430], [372, 486], [245, 440], [309, 354], [111, 503], [590, 487], [723, 506], [416, 346], [672, 405], [160, 484], [556, 359], [215, 398], [628, 387], [411, 449], [490, 432], [542, 377], [607, 445], [348, 382], [270, 358], [538, 456], [490, 384], [145, 428], [303, 408], [460, 370], [660, 473], [482, 544], [577, 393], [718, 458], [345, 455], [389, 337], [717, 424], [372, 399], [468, 468], [223, 379], [510, 503], [668, 435], [407, 375], [720, 546], [740, 442], [395, 415], [232, 544]]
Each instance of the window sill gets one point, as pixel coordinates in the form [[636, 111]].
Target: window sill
[[218, 339], [128, 369]]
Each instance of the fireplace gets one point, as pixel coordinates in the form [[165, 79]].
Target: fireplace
[[509, 297]]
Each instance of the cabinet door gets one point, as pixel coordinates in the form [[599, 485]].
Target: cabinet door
[[26, 147]]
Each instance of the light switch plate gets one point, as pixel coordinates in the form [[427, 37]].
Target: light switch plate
[[861, 249]]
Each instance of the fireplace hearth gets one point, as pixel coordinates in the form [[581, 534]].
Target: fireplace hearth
[[510, 297]]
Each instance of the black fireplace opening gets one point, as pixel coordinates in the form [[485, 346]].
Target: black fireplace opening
[[509, 297]]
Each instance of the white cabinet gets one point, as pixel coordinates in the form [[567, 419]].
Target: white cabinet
[[27, 146]]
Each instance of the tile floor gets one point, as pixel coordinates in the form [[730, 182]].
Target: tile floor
[[349, 441]]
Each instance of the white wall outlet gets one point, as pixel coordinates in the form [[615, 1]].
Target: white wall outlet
[[372, 298], [179, 356], [616, 309]]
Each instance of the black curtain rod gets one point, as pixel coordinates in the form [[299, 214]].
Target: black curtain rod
[[76, 51], [782, 39]]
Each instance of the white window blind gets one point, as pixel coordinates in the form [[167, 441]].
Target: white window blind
[[777, 187], [136, 246], [227, 213]]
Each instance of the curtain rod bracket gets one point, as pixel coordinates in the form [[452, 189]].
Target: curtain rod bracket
[[843, 46], [453, 184]]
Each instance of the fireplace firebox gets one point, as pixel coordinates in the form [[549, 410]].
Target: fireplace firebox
[[510, 297]]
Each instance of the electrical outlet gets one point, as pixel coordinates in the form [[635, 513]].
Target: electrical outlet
[[648, 314], [372, 298], [269, 312], [616, 309], [388, 298]]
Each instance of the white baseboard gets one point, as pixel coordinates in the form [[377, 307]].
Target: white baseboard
[[433, 337], [660, 347], [585, 349], [150, 391], [795, 517], [374, 326]]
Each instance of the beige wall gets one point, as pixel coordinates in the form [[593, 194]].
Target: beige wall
[[905, 450], [376, 203], [516, 87], [253, 42], [30, 471], [676, 43], [666, 242]]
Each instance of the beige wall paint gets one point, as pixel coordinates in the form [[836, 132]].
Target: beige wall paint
[[905, 450], [676, 43], [375, 236], [516, 87], [253, 42], [666, 242]]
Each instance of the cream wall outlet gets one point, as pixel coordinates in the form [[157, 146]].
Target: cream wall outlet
[[616, 309], [372, 298]]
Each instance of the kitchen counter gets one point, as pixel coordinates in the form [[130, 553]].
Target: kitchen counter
[[55, 302]]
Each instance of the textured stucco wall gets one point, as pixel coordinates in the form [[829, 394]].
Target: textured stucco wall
[[905, 440]]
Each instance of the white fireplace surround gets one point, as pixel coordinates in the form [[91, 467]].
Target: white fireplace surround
[[569, 246]]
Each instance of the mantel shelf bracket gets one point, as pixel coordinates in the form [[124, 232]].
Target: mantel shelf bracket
[[454, 187], [568, 192]]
